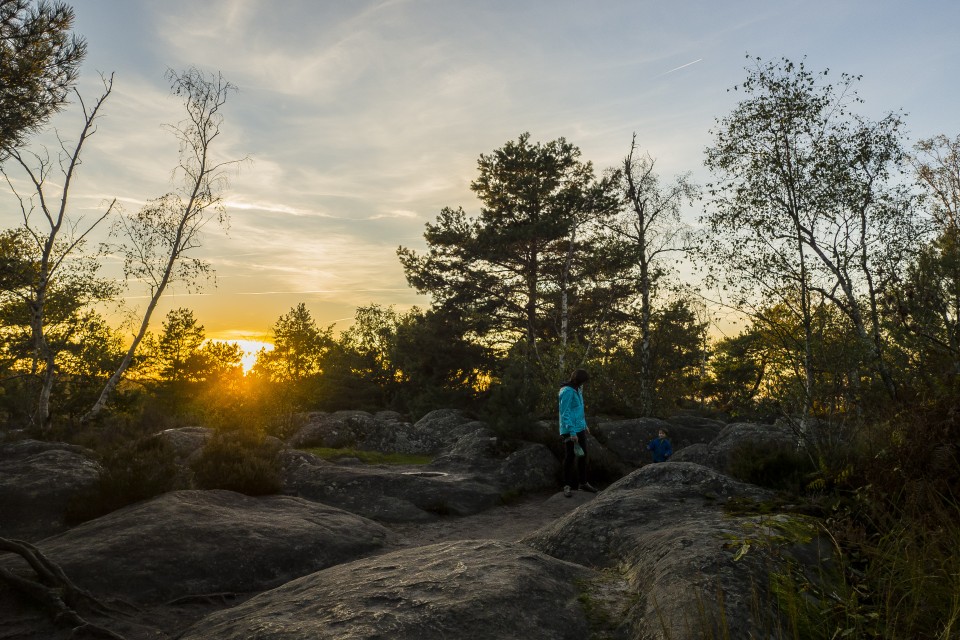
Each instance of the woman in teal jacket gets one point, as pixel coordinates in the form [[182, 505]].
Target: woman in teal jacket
[[573, 434]]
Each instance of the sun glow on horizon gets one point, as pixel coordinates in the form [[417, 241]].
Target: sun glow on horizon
[[250, 349]]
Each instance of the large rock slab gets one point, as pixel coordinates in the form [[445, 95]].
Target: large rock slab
[[201, 542], [385, 493], [628, 439], [532, 467], [721, 450], [38, 480], [515, 467], [384, 431], [467, 589], [663, 529], [185, 442], [689, 421]]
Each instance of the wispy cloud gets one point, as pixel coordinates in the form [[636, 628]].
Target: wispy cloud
[[364, 118]]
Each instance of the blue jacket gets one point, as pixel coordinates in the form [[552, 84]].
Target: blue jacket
[[572, 418], [661, 449]]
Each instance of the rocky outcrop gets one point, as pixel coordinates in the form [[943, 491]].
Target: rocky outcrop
[[185, 442], [388, 494], [662, 529], [468, 589], [511, 466], [188, 543], [627, 439], [718, 453], [385, 431], [532, 467], [38, 481], [470, 472], [691, 421], [656, 555]]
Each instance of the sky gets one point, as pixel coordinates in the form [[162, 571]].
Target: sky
[[362, 119]]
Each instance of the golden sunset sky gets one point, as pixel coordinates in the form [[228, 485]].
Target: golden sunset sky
[[362, 119]]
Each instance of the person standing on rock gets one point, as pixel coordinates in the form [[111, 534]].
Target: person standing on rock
[[661, 447], [573, 434]]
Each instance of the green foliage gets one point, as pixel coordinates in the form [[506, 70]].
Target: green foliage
[[369, 457], [810, 202], [888, 499], [506, 271], [924, 314], [515, 396], [677, 359], [131, 472], [299, 347], [238, 461], [437, 363], [39, 62], [290, 377], [177, 352]]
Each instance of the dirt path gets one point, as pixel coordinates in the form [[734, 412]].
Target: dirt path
[[505, 522]]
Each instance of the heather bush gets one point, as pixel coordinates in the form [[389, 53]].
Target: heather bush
[[239, 461]]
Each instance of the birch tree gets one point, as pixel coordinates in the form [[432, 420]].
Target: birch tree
[[808, 199], [160, 239], [55, 238], [652, 226]]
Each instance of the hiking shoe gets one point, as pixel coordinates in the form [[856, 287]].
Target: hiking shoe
[[589, 488], [567, 492]]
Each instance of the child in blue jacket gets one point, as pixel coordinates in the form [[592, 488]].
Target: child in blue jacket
[[661, 448]]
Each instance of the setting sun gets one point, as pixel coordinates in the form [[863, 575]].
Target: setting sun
[[250, 350]]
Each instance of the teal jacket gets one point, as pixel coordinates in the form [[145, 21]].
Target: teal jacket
[[572, 418]]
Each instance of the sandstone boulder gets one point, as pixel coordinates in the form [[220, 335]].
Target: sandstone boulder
[[188, 543], [627, 439], [689, 421], [38, 481], [391, 494], [663, 530], [511, 466], [185, 442], [467, 589], [532, 467], [385, 431], [736, 436]]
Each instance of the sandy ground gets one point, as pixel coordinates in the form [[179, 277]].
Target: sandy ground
[[508, 522]]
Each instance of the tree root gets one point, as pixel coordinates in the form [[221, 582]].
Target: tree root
[[55, 592]]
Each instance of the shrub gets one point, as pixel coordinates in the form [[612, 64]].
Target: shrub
[[130, 473], [238, 461], [771, 467]]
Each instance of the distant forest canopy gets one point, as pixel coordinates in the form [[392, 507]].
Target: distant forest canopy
[[835, 238]]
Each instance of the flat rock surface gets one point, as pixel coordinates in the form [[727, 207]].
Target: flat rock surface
[[481, 589], [37, 482], [188, 543], [663, 529], [390, 493]]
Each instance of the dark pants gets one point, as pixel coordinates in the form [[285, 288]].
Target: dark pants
[[574, 466]]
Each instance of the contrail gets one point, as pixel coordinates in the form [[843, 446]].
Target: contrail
[[683, 66]]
